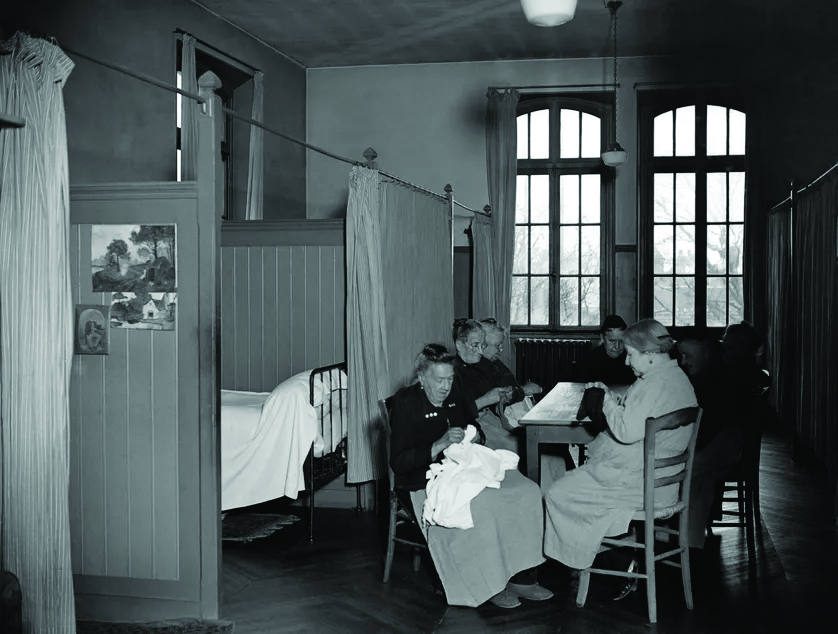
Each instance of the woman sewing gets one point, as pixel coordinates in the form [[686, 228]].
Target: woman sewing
[[600, 498], [474, 565]]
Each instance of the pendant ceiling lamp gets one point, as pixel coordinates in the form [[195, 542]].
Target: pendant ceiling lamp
[[548, 12], [615, 154]]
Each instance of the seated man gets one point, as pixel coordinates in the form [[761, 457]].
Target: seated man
[[607, 362]]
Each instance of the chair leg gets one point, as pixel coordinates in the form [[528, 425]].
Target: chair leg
[[749, 524], [391, 541], [649, 549], [685, 559], [417, 559], [582, 592]]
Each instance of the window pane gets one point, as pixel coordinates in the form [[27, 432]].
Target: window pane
[[663, 134], [519, 258], [519, 304], [522, 198], [540, 250], [540, 201], [736, 194], [716, 301], [591, 136], [685, 248], [178, 102], [540, 134], [569, 250], [590, 197], [523, 137], [736, 308], [569, 301], [716, 197], [737, 132], [663, 249], [570, 134], [685, 131], [590, 250], [685, 197], [590, 301], [663, 300], [540, 307], [684, 301], [664, 184], [716, 250], [737, 238], [716, 131], [569, 198]]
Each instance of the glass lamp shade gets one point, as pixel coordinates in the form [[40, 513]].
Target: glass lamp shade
[[615, 155], [548, 12]]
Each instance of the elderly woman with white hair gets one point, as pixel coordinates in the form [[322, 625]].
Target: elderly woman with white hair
[[600, 498]]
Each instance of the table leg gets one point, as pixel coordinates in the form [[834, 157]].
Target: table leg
[[532, 453]]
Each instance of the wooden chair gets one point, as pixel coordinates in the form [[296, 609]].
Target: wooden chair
[[741, 485], [401, 511], [649, 513]]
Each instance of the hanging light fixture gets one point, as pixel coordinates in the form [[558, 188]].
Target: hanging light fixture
[[548, 12], [615, 154]]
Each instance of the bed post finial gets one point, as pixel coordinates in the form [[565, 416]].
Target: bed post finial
[[208, 84], [370, 155], [488, 210]]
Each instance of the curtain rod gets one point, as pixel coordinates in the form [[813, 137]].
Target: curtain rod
[[801, 190], [552, 87], [161, 84], [137, 75]]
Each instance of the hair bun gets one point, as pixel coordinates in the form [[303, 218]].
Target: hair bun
[[460, 322]]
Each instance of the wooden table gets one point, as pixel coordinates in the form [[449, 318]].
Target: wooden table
[[553, 420]]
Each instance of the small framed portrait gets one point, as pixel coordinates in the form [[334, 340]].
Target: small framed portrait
[[92, 329]]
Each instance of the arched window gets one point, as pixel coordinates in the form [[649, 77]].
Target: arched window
[[563, 229], [693, 190]]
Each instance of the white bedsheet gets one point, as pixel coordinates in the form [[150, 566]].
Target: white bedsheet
[[265, 438]]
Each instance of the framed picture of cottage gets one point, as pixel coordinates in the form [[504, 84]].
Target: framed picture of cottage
[[92, 332], [143, 311], [137, 259]]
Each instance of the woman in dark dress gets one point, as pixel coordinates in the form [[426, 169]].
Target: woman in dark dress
[[474, 565]]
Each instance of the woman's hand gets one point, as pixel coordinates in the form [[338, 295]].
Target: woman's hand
[[493, 396], [450, 437], [602, 386], [531, 388]]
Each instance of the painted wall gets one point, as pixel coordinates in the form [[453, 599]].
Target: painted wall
[[283, 301], [120, 129]]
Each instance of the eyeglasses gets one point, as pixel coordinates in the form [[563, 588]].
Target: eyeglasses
[[476, 345]]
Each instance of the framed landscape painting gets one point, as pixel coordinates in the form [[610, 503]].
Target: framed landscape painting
[[133, 258]]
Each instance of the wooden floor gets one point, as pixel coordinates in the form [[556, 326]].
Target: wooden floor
[[283, 583]]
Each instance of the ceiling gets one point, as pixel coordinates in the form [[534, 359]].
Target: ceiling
[[323, 33]]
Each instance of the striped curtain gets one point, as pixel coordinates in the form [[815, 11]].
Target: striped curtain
[[189, 112], [399, 297], [780, 327], [815, 265], [255, 166], [484, 296], [35, 333]]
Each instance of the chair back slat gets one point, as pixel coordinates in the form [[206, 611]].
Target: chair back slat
[[384, 406], [671, 421]]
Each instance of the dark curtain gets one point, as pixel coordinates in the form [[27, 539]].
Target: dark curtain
[[815, 298], [780, 326]]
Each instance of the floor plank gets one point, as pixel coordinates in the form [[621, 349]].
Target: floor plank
[[284, 583]]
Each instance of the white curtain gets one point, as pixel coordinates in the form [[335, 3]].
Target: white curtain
[[366, 334], [255, 173], [484, 296], [399, 298], [502, 172], [35, 332], [189, 112]]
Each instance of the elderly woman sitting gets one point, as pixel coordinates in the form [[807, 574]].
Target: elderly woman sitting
[[475, 565], [600, 498]]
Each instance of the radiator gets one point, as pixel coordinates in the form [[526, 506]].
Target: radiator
[[548, 361]]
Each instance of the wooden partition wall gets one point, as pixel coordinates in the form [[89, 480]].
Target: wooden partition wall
[[283, 300]]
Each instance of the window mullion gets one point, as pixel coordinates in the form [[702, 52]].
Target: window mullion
[[701, 216]]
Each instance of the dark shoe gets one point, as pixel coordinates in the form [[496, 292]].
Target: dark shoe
[[505, 599], [630, 584], [533, 592]]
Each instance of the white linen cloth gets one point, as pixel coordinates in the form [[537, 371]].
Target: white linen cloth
[[600, 497], [265, 438], [465, 471]]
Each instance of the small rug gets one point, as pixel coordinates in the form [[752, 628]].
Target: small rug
[[246, 527], [184, 626]]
